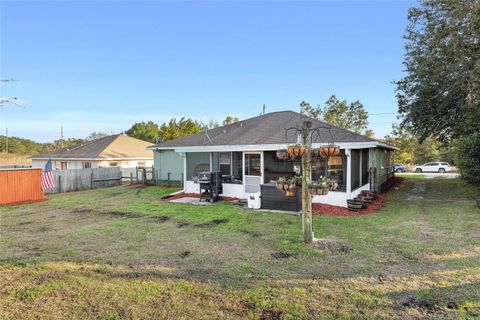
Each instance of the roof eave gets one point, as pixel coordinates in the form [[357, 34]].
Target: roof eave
[[268, 147]]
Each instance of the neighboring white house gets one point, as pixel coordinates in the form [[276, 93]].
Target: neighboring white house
[[112, 151], [245, 153]]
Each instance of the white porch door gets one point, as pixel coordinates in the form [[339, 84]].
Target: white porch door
[[252, 171]]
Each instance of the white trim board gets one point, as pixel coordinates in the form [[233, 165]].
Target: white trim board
[[270, 147]]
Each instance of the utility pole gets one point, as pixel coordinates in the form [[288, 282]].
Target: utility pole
[[264, 109], [61, 136]]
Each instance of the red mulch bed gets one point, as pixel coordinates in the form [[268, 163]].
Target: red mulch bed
[[374, 206], [329, 210], [192, 195]]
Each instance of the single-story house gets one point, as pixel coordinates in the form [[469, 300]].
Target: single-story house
[[112, 151], [245, 153]]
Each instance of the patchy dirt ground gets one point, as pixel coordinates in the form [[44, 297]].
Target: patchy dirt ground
[[118, 254]]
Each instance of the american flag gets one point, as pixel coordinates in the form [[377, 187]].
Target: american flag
[[48, 181]]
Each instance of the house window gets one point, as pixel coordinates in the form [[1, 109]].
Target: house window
[[63, 165], [224, 162], [252, 165], [87, 165], [113, 164]]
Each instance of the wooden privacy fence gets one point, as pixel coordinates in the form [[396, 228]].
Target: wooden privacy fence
[[20, 185], [83, 179]]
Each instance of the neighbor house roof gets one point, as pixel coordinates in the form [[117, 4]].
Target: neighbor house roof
[[267, 130], [116, 146]]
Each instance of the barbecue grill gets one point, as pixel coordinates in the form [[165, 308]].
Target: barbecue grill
[[210, 185]]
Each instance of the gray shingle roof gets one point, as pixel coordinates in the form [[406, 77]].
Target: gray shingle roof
[[265, 129]]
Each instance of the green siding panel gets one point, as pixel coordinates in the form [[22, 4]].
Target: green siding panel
[[168, 162]]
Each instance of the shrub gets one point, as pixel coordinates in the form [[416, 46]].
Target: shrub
[[468, 157]]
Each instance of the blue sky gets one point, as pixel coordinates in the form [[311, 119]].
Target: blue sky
[[100, 66]]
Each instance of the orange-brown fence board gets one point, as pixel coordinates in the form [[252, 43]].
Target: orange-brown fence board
[[20, 186]]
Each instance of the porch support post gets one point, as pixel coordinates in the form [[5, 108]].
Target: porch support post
[[184, 175], [349, 174]]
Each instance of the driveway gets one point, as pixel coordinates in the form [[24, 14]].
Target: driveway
[[429, 175]]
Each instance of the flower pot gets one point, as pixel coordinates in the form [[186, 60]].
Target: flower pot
[[322, 191], [292, 187], [354, 205], [296, 151], [332, 185], [313, 191], [290, 193], [280, 186]]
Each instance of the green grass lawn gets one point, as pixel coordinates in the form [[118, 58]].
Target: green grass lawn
[[120, 253]]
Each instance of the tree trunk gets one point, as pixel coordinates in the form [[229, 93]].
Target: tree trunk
[[306, 178]]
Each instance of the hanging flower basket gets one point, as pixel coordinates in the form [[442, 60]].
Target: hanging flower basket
[[282, 154], [330, 150], [296, 150]]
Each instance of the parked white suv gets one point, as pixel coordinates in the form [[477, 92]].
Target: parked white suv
[[433, 167]]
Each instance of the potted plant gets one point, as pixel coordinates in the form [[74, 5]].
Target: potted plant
[[291, 187], [296, 150], [322, 189], [282, 154], [281, 183], [312, 188], [298, 180], [332, 185]]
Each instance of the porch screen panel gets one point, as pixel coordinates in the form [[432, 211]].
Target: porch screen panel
[[225, 162], [355, 170], [237, 166], [252, 165], [365, 168], [197, 162], [215, 161], [335, 168]]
